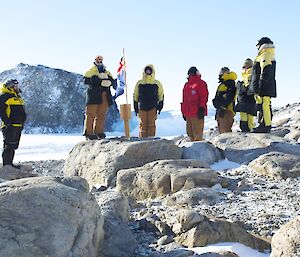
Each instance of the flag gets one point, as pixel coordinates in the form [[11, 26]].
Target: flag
[[120, 79]]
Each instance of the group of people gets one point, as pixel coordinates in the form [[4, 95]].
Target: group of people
[[251, 95]]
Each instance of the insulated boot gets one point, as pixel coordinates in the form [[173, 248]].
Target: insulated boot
[[262, 129], [101, 135], [90, 137]]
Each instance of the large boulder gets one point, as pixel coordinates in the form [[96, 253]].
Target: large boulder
[[98, 161], [218, 230], [49, 217], [163, 177], [286, 241], [202, 151], [245, 147], [277, 165]]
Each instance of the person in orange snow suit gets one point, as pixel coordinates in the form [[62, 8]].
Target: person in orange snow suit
[[13, 116], [245, 99], [148, 100], [98, 99], [194, 104], [263, 83], [224, 100]]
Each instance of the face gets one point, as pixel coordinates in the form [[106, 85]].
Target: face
[[99, 59]]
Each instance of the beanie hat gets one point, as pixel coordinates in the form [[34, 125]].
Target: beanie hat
[[264, 40], [248, 63], [192, 71], [224, 70], [11, 83]]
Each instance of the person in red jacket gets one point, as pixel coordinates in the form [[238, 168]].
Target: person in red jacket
[[194, 104]]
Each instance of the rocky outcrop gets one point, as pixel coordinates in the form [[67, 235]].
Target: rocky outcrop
[[161, 178], [286, 241], [47, 216], [277, 165], [99, 161]]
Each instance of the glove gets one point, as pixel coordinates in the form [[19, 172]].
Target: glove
[[103, 75], [160, 106], [105, 83], [221, 113], [136, 107], [216, 103], [200, 113], [95, 81]]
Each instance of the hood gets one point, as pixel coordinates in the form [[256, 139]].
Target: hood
[[229, 76], [266, 46], [149, 77], [4, 89]]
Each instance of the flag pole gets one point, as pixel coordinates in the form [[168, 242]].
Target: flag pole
[[125, 108], [124, 60]]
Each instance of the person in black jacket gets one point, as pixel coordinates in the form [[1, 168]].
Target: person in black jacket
[[148, 101], [245, 99], [224, 100], [13, 116], [98, 99], [263, 83]]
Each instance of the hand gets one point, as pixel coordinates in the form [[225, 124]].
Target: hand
[[159, 106], [200, 113]]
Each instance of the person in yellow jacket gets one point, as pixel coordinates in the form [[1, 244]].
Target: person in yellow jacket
[[224, 100], [263, 83], [98, 99], [245, 99], [13, 116], [148, 99]]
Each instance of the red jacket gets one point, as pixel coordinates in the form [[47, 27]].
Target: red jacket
[[195, 95]]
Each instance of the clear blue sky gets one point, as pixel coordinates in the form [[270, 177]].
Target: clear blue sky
[[170, 34]]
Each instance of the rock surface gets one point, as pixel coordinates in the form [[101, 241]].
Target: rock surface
[[99, 161], [44, 216]]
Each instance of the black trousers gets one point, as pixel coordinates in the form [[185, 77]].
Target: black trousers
[[11, 140]]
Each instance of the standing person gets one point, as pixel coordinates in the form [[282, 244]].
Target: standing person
[[224, 100], [148, 100], [194, 104], [13, 116], [245, 99], [98, 99], [263, 83]]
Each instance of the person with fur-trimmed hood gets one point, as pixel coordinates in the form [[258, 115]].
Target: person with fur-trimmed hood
[[148, 99], [245, 99], [194, 104], [225, 99], [263, 83], [13, 116], [98, 99]]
